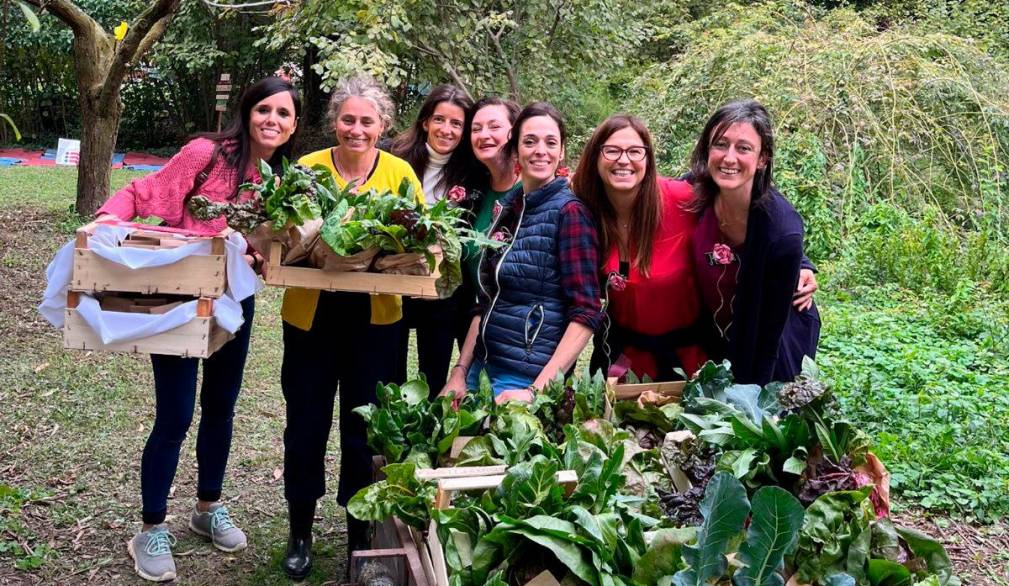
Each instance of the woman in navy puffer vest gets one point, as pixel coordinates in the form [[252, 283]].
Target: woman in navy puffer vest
[[539, 293]]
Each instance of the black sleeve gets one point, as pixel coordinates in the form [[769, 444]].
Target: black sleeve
[[779, 282]]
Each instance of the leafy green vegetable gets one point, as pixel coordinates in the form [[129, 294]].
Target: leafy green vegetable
[[773, 533], [400, 494], [664, 555], [832, 523], [725, 509]]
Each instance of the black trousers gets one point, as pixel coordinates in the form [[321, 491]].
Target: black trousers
[[343, 351], [175, 393], [439, 324]]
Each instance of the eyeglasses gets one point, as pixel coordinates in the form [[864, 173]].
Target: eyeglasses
[[634, 153]]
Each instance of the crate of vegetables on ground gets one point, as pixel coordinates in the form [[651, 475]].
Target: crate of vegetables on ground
[[317, 235], [201, 273], [734, 484]]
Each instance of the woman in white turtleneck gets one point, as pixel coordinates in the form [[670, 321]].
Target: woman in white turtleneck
[[434, 148]]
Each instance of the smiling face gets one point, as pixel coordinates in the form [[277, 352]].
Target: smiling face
[[489, 132], [444, 127], [622, 177], [358, 125], [735, 157], [271, 122], [540, 151]]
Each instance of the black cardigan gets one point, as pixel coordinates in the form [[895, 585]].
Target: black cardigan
[[763, 318]]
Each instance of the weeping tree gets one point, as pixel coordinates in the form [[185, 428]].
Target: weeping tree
[[102, 60]]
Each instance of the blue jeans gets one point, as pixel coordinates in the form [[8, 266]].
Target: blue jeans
[[175, 393], [500, 380]]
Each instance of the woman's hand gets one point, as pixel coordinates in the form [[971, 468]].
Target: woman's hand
[[525, 395], [455, 387], [108, 218], [803, 297]]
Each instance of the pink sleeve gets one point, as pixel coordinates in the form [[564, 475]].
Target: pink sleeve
[[161, 193]]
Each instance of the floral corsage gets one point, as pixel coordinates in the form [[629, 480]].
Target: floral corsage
[[721, 254]]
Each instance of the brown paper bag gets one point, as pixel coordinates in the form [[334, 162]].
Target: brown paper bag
[[410, 263], [322, 256], [296, 242]]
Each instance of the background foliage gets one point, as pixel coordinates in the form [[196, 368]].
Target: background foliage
[[892, 121]]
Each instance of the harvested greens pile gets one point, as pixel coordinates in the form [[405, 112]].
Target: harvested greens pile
[[737, 484], [351, 223]]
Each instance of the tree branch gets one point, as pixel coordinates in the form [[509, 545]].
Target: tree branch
[[445, 63], [79, 22], [145, 30], [509, 66]]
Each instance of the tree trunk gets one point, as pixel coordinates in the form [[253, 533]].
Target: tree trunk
[[99, 121], [98, 142]]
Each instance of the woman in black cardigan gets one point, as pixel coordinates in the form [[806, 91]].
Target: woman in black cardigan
[[747, 249]]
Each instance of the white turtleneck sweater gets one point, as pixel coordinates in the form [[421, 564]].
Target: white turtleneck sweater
[[436, 162]]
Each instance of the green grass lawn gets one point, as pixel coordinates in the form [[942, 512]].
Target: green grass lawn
[[925, 375]]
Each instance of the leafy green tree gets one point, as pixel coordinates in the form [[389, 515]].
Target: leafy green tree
[[101, 63], [516, 47]]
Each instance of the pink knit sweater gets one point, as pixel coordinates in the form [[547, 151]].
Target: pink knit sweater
[[162, 193]]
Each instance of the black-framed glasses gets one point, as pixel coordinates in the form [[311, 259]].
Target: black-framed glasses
[[634, 153]]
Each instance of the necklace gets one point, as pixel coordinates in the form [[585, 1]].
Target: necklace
[[348, 177]]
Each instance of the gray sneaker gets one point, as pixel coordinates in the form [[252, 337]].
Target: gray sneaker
[[151, 551], [216, 526]]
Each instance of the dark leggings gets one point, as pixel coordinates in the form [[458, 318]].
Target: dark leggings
[[342, 351], [439, 323], [175, 393]]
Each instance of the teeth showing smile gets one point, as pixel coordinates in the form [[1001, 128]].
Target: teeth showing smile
[[725, 171], [622, 172], [269, 131]]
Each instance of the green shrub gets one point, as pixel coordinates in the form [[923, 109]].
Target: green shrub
[[912, 118]]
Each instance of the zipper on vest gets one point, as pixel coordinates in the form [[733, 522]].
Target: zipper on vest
[[497, 271], [536, 333]]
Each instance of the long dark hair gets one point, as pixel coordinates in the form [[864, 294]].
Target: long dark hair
[[647, 209], [412, 144], [479, 174], [234, 142], [743, 111], [531, 111]]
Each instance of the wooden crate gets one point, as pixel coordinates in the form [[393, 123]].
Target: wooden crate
[[451, 481], [356, 282], [196, 275], [631, 392], [197, 339]]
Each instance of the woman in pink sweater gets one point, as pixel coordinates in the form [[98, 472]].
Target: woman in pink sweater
[[213, 165]]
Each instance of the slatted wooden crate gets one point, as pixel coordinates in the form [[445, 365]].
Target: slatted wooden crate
[[356, 282], [199, 338], [631, 392], [198, 275]]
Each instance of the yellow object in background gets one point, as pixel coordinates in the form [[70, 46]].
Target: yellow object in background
[[120, 31]]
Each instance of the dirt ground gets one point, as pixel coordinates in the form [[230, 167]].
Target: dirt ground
[[75, 424]]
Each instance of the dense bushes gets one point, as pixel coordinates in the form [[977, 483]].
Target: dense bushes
[[916, 121]]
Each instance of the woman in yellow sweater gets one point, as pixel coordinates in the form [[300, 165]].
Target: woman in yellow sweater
[[338, 340]]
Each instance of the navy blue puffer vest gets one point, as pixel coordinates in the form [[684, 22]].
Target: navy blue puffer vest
[[527, 311]]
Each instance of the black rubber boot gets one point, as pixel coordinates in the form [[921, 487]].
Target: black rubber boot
[[298, 559], [358, 538]]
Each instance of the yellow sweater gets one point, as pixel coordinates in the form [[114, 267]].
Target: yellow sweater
[[300, 304]]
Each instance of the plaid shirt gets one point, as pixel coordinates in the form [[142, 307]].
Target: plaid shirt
[[578, 250]]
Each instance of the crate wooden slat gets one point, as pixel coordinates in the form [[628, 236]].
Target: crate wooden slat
[[195, 275], [356, 282], [630, 392], [199, 338]]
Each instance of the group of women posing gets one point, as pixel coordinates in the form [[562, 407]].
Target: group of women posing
[[665, 273]]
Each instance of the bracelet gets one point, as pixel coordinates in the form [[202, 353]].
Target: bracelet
[[460, 365]]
